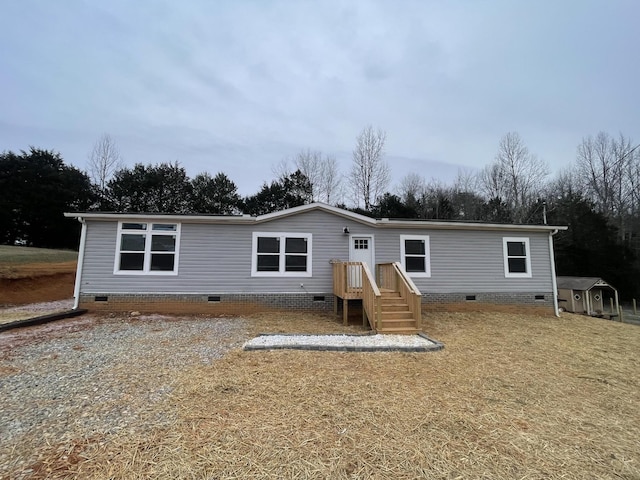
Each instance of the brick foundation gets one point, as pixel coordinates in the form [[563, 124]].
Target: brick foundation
[[517, 302], [237, 304], [223, 304]]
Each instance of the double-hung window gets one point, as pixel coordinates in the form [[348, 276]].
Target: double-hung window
[[415, 255], [281, 254], [517, 257], [147, 248]]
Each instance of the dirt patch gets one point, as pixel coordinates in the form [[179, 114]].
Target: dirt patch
[[36, 288]]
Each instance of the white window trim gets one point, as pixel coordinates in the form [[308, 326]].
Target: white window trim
[[281, 271], [146, 270], [427, 255], [505, 253]]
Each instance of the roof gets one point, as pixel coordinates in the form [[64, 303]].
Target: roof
[[581, 283], [346, 214]]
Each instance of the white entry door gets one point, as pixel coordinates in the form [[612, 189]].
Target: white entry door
[[360, 250]]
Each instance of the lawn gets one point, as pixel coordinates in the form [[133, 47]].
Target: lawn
[[510, 396], [10, 254]]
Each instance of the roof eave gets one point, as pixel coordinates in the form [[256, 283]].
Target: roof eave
[[317, 206], [387, 223], [163, 217]]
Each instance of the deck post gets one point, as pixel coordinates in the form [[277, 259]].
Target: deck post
[[335, 305], [345, 311]]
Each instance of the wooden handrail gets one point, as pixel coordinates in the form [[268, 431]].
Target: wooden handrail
[[394, 277], [371, 299], [355, 280], [405, 277]]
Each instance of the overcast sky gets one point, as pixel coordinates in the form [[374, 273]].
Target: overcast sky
[[237, 86]]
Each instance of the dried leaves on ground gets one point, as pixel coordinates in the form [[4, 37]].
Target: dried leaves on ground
[[511, 396]]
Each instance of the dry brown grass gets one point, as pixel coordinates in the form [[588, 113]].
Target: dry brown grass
[[511, 396], [8, 317]]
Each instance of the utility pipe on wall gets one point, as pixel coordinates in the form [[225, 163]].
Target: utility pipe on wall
[[554, 283], [83, 241]]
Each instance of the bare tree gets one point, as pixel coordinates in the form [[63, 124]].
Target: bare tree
[[411, 187], [464, 195], [607, 169], [104, 160], [466, 180], [370, 174], [282, 169], [516, 176], [330, 181], [603, 165], [321, 171], [309, 162]]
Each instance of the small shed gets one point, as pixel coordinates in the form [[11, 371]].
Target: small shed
[[587, 295]]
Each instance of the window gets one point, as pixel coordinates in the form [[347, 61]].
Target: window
[[147, 248], [361, 244], [517, 259], [281, 254], [415, 255]]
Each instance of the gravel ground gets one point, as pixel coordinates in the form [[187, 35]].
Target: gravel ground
[[90, 376], [38, 308], [341, 342], [11, 314], [87, 377]]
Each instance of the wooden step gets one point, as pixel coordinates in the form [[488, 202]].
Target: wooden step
[[406, 315], [394, 307], [398, 331], [389, 294], [393, 301], [398, 323]]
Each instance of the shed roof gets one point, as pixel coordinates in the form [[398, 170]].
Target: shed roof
[[581, 283]]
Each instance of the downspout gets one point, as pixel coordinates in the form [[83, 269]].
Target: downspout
[[554, 282], [83, 241]]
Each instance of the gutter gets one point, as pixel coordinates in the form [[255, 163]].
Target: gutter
[[554, 282], [83, 242]]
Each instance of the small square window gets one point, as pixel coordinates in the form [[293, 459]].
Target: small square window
[[162, 262], [163, 243], [131, 261], [296, 245], [268, 263], [268, 245], [133, 243]]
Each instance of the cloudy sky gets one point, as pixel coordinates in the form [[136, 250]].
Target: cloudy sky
[[237, 86]]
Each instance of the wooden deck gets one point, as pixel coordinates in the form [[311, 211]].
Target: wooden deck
[[391, 303]]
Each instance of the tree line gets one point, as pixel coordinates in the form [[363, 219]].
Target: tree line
[[598, 196]]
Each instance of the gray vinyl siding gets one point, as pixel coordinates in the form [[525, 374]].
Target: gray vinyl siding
[[216, 258], [471, 261]]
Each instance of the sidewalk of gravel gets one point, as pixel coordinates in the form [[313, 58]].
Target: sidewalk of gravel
[[345, 343]]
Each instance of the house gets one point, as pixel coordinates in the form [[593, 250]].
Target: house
[[587, 295], [312, 257]]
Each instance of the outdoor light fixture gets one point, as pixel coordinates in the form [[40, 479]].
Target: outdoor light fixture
[[345, 230]]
